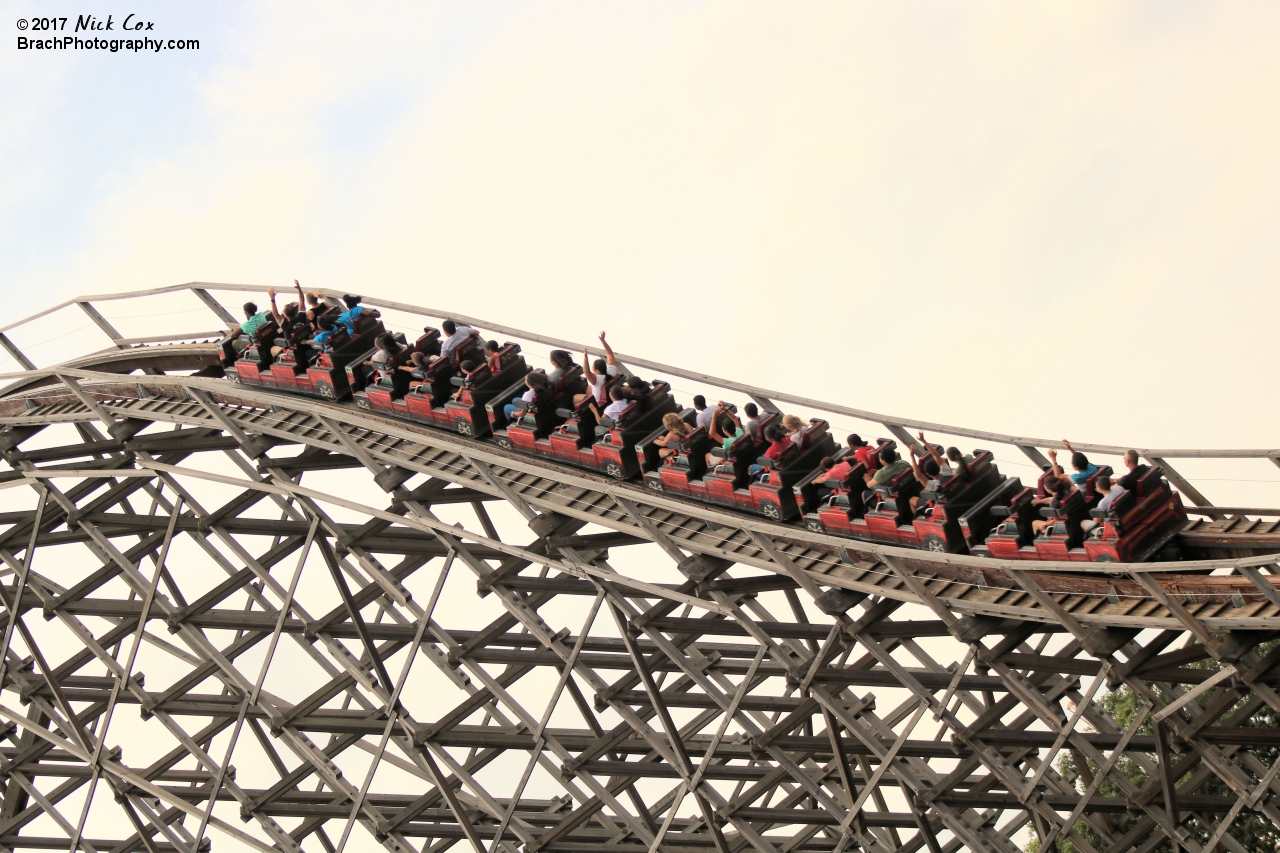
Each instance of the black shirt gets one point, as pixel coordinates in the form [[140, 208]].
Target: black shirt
[[291, 326], [1129, 481]]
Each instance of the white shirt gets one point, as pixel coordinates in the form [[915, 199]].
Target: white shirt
[[380, 358], [1106, 502], [457, 339], [597, 387], [528, 395], [616, 408], [704, 417]]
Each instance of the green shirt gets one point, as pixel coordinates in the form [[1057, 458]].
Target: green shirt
[[730, 439], [256, 322], [888, 472]]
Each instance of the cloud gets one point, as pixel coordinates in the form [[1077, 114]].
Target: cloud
[[1027, 218]]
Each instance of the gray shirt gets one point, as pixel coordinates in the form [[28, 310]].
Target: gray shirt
[[704, 417], [455, 340]]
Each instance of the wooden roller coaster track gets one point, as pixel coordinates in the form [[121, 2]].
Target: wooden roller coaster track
[[629, 672]]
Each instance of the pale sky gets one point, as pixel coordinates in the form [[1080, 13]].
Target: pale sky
[[1046, 219]]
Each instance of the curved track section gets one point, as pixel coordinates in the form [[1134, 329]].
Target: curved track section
[[276, 623]]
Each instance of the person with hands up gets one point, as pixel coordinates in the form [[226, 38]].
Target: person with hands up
[[597, 374]]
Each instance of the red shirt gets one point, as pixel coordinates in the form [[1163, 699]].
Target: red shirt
[[839, 471], [862, 453], [775, 449]]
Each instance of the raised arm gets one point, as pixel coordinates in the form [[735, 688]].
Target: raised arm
[[587, 373], [930, 449], [915, 467], [275, 312], [609, 357], [1053, 461]]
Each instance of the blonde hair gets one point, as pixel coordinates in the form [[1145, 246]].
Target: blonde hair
[[673, 422], [792, 422]]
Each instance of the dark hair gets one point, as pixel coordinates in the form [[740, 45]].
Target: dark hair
[[538, 381], [1079, 461], [560, 358], [250, 309], [726, 426], [352, 301], [1102, 484], [930, 467], [751, 410], [291, 310], [325, 323], [962, 467], [467, 366], [827, 463], [387, 341], [600, 366], [699, 401], [449, 327], [775, 433], [493, 346], [1055, 486], [888, 456], [855, 440], [617, 393]]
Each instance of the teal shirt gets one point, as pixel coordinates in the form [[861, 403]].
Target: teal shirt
[[256, 322]]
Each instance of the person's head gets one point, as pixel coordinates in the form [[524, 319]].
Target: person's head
[[313, 299], [467, 366], [888, 456], [388, 343], [930, 467], [600, 366], [1079, 461], [791, 423], [250, 309], [618, 393], [418, 358], [1103, 484], [351, 301], [699, 402], [751, 411], [326, 324], [492, 346], [673, 422], [775, 433], [1054, 485], [561, 359], [290, 310], [855, 441], [537, 381], [449, 327], [1131, 458], [727, 426], [827, 463]]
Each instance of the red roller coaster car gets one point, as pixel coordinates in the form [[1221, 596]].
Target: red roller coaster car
[[432, 402], [530, 428], [323, 374], [1133, 529], [729, 483], [608, 445]]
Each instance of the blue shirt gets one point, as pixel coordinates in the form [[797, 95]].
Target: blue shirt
[[1079, 477], [322, 340], [348, 318]]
